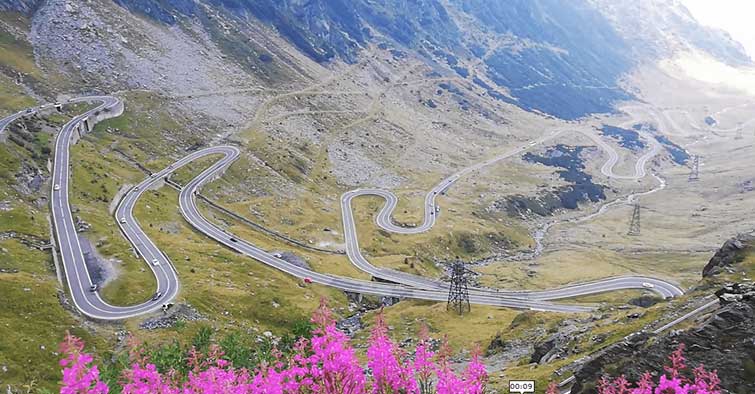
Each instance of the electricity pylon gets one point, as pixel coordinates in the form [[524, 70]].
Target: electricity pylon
[[694, 175], [458, 292], [634, 225]]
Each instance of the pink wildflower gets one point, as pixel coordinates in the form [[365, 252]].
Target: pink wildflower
[[79, 375]]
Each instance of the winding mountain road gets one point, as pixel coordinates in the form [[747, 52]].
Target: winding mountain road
[[77, 274], [4, 122], [384, 221], [91, 304]]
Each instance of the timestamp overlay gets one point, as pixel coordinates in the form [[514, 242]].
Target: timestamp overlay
[[521, 386]]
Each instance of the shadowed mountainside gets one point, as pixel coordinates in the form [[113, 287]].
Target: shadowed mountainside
[[561, 58]]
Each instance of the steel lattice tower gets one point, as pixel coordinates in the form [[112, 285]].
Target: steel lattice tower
[[634, 225], [458, 292], [694, 175]]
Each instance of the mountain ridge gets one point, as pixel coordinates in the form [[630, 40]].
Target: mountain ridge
[[563, 59]]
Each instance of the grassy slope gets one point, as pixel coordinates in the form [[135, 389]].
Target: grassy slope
[[32, 319], [233, 290], [12, 97]]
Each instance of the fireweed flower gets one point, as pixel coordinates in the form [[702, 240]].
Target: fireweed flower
[[673, 382], [79, 375], [391, 374], [327, 364]]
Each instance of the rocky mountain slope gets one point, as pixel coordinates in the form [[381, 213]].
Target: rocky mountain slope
[[562, 58], [723, 341], [323, 96], [659, 29], [722, 338]]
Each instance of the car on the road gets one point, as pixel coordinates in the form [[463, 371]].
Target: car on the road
[[277, 255], [307, 280], [29, 110], [647, 285], [123, 220], [155, 262], [94, 287], [136, 188], [56, 187], [234, 239], [437, 209], [157, 296]]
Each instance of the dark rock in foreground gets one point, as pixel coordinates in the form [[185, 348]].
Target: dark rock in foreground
[[724, 342], [732, 252]]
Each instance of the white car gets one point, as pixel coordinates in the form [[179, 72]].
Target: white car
[[155, 262], [647, 285], [56, 187], [123, 220], [277, 255]]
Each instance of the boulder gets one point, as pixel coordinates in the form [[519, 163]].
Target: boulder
[[732, 252]]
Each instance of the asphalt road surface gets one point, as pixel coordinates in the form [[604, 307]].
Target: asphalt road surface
[[91, 304], [432, 209], [20, 114], [408, 286], [77, 275]]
